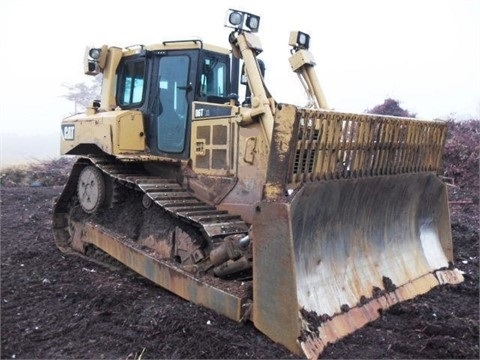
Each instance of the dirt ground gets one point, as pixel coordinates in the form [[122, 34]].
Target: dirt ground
[[55, 306]]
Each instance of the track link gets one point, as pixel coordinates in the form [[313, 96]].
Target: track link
[[168, 194]]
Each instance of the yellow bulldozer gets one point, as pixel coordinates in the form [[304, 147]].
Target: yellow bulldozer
[[303, 220]]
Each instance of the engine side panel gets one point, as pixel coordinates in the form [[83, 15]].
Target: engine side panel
[[114, 133]]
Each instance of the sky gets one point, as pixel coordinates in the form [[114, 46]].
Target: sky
[[424, 53]]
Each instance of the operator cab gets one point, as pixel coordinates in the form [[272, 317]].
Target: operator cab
[[163, 81]]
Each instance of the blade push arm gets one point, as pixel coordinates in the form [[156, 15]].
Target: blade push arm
[[246, 46]]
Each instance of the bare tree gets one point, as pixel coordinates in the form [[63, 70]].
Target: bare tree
[[81, 94]]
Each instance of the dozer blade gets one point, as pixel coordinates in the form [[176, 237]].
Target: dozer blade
[[328, 260]]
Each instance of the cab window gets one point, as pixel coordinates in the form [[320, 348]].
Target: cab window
[[131, 83], [213, 78]]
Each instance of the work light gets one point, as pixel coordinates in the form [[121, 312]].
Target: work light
[[299, 40], [241, 20], [95, 53]]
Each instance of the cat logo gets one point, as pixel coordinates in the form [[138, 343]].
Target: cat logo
[[68, 132]]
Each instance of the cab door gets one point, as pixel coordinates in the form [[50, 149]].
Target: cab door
[[171, 115]]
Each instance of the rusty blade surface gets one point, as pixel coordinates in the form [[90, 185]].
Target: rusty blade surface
[[354, 237], [340, 250], [316, 335]]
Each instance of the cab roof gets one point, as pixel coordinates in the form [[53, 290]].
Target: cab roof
[[187, 44]]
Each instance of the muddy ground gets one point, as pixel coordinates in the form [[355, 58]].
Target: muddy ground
[[55, 306]]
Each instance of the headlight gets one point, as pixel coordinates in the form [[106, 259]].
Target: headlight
[[235, 18], [95, 53], [299, 40], [241, 20], [253, 22]]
